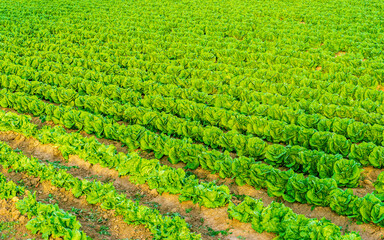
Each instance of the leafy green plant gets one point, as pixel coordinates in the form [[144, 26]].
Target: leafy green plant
[[379, 186], [76, 210], [104, 231], [58, 165], [214, 233]]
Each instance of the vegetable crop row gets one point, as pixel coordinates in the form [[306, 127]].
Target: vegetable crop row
[[230, 53], [98, 193], [274, 154], [94, 152], [292, 187], [294, 114], [160, 177], [47, 219], [245, 88]]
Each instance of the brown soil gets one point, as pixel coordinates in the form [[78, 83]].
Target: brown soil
[[369, 176], [380, 88], [12, 222], [341, 53]]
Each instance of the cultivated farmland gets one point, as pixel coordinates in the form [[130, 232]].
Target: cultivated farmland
[[186, 119]]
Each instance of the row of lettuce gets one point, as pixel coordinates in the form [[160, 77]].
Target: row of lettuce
[[60, 58], [176, 49], [321, 115], [330, 142], [174, 46], [161, 178], [287, 184], [335, 136], [98, 193], [346, 172], [359, 101], [269, 74], [47, 219]]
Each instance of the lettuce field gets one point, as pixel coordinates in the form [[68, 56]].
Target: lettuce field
[[187, 119]]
